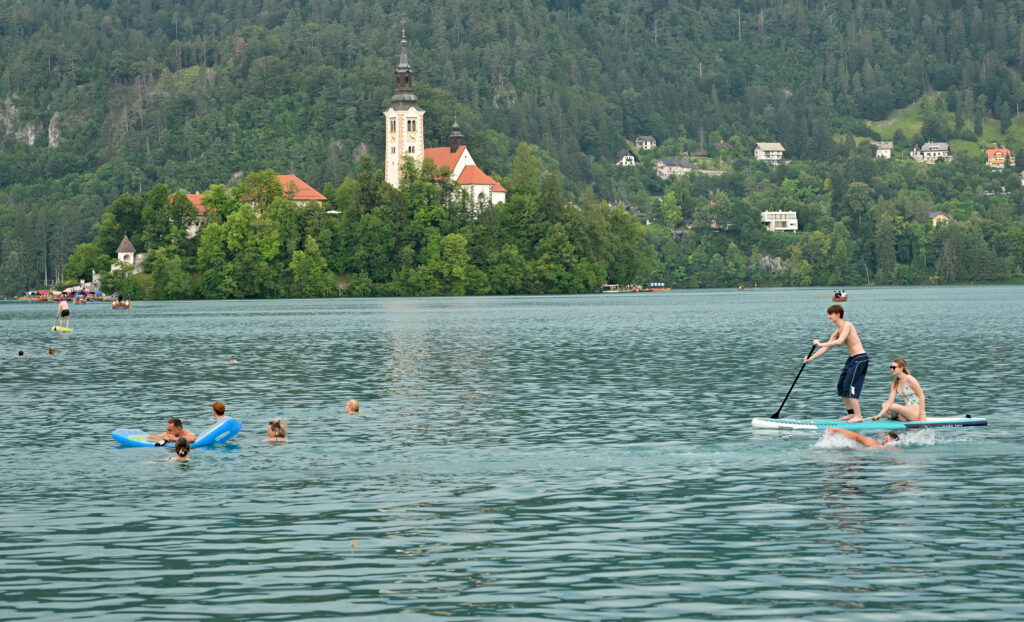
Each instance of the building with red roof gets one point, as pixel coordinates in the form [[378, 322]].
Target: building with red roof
[[999, 157], [403, 133], [299, 191]]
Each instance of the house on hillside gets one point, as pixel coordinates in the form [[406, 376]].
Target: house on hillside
[[197, 201], [883, 149], [769, 152], [299, 192], [126, 256], [625, 157], [931, 152], [645, 142], [780, 221], [999, 158], [938, 218], [669, 167], [723, 146]]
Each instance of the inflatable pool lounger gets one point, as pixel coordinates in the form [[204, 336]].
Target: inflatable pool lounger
[[219, 433]]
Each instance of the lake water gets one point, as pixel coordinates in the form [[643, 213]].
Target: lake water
[[546, 457]]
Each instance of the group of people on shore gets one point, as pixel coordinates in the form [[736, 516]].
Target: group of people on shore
[[851, 379], [277, 430]]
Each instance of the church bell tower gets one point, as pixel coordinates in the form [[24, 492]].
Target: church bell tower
[[403, 122]]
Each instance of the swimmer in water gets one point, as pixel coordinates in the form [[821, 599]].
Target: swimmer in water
[[173, 433], [181, 448], [887, 440], [276, 431]]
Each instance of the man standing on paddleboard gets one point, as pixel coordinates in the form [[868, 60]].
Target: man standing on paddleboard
[[851, 380], [63, 313]]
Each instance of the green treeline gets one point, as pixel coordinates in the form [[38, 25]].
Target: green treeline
[[428, 238], [425, 238], [103, 99]]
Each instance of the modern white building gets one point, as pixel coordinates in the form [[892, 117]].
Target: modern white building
[[769, 152], [780, 221], [883, 149], [931, 152]]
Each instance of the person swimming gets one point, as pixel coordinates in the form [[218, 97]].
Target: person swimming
[[887, 441], [181, 449], [277, 430]]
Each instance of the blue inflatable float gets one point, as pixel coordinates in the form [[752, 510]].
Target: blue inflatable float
[[220, 433]]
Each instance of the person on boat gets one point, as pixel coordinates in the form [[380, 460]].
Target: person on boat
[[63, 313], [218, 412], [181, 449], [173, 433], [277, 430], [352, 407], [910, 389], [887, 440], [851, 379]]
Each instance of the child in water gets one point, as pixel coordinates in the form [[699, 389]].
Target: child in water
[[181, 448], [276, 431]]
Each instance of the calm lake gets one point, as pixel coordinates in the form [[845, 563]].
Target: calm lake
[[546, 457]]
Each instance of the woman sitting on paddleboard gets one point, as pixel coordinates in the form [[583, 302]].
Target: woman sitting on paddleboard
[[910, 389]]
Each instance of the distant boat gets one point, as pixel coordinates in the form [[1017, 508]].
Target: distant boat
[[610, 288], [656, 287], [836, 297]]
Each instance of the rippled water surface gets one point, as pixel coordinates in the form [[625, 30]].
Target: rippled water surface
[[571, 458]]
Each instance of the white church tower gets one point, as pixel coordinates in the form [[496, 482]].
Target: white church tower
[[403, 122]]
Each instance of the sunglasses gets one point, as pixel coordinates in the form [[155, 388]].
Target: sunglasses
[[892, 367]]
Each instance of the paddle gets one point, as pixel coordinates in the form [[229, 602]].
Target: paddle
[[779, 411]]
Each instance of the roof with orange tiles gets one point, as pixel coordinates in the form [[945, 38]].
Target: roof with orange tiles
[[999, 151], [197, 200], [472, 175], [443, 156], [298, 190]]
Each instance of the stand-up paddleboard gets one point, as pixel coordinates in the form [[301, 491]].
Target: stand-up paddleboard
[[63, 329], [868, 424], [219, 433]]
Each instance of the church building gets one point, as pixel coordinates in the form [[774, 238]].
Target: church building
[[403, 123]]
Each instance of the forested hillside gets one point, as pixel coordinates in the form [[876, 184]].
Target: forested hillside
[[107, 98]]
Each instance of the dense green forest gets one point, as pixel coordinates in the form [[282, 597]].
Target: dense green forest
[[108, 106]]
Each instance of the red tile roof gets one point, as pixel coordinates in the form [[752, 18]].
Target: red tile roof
[[298, 190], [473, 175], [197, 200], [443, 156]]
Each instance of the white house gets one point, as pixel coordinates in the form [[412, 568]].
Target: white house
[[883, 148], [625, 158], [779, 221], [769, 152], [930, 152], [646, 142], [126, 256], [668, 167]]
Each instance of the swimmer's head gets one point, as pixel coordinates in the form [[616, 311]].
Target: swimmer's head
[[181, 447], [352, 406], [890, 437], [278, 428], [218, 409]]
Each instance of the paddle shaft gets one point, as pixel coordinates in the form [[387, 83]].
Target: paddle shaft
[[779, 411]]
